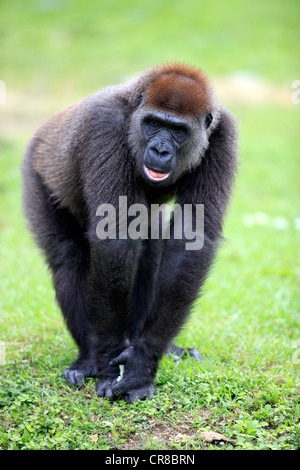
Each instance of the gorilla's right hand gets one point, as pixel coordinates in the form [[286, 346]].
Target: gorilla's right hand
[[136, 383]]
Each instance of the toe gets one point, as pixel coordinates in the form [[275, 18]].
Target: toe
[[195, 354]]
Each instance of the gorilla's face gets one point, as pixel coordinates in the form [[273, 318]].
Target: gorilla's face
[[172, 144], [165, 135]]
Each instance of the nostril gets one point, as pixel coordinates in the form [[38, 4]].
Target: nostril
[[154, 152], [165, 153]]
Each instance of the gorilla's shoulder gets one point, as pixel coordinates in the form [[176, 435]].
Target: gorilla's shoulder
[[105, 110]]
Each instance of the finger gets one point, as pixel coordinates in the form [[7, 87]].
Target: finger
[[127, 384], [103, 388], [122, 358], [74, 377]]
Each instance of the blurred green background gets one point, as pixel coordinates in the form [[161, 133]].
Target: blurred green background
[[70, 45], [52, 53]]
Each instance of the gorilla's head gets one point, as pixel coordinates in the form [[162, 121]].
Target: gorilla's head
[[171, 125]]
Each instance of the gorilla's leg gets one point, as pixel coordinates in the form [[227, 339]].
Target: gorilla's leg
[[61, 237]]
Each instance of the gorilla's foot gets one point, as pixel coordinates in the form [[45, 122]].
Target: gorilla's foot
[[178, 353], [76, 374]]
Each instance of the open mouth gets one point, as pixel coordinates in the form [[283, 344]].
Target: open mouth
[[155, 175]]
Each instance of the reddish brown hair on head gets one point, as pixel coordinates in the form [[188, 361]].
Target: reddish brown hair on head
[[180, 88]]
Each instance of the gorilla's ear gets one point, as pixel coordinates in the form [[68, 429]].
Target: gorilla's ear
[[208, 120], [218, 168]]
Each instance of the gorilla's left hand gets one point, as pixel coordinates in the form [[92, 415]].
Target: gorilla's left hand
[[137, 381]]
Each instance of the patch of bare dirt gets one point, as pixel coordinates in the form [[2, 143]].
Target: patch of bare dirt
[[161, 436], [157, 434]]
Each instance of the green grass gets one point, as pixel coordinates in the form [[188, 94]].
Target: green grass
[[246, 324]]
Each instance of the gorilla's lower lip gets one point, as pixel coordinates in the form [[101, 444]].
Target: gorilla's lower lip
[[155, 175]]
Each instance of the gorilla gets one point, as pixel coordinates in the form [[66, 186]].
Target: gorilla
[[159, 136]]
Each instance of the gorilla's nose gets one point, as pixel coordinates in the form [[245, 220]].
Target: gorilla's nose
[[160, 152]]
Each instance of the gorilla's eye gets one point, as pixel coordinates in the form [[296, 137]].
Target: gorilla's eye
[[179, 131], [208, 120], [154, 123]]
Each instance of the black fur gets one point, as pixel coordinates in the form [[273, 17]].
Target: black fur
[[123, 300]]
